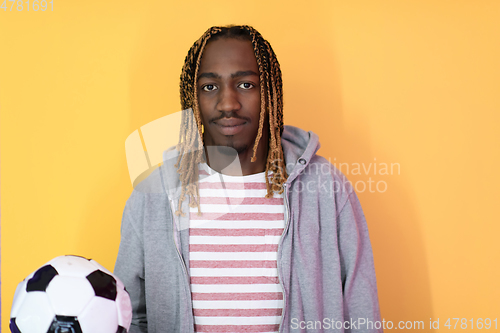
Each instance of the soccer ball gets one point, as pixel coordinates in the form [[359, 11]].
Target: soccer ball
[[71, 294]]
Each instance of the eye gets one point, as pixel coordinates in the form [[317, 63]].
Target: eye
[[209, 87], [246, 85]]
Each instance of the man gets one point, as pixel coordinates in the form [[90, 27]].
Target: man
[[244, 228]]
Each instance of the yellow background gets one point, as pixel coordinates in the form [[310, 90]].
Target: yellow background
[[409, 82]]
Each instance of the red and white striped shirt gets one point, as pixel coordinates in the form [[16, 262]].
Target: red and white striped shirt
[[233, 254]]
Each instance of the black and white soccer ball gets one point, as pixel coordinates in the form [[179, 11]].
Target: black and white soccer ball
[[71, 294]]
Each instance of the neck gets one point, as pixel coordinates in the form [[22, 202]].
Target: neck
[[227, 161]]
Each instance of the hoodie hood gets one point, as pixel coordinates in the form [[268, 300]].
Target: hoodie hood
[[299, 147]]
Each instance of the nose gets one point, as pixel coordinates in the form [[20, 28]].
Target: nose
[[228, 100]]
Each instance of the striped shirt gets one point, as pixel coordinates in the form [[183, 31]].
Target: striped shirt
[[233, 254]]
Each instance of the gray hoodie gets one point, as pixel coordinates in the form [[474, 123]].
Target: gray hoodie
[[325, 260]]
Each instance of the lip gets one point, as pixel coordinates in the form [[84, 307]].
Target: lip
[[230, 126]]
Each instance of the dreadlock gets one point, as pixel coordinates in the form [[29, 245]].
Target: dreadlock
[[190, 145]]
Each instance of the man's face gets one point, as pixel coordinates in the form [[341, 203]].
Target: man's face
[[229, 95]]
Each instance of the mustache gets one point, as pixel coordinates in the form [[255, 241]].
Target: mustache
[[228, 114]]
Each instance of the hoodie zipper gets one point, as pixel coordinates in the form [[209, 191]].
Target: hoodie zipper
[[287, 219], [174, 234]]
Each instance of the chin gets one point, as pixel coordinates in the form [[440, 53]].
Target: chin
[[238, 148]]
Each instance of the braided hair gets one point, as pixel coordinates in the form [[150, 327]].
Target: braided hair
[[190, 146]]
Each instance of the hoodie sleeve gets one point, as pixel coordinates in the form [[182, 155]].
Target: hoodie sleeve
[[361, 305], [129, 266]]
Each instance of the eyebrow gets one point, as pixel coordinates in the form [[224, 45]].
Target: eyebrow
[[211, 75]]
